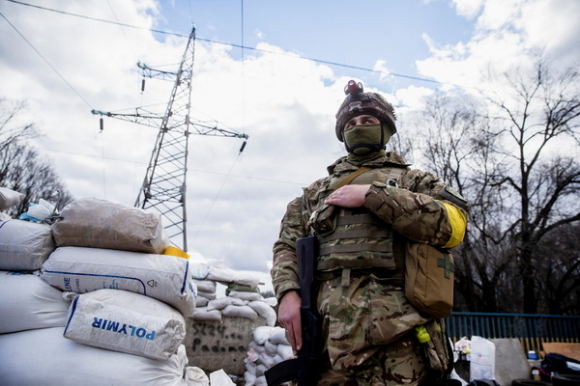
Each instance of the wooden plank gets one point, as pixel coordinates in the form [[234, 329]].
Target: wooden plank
[[571, 350]]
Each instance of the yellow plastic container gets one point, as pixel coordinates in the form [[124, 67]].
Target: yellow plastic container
[[173, 251]]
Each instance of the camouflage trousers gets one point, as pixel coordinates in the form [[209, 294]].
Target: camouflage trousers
[[399, 363]]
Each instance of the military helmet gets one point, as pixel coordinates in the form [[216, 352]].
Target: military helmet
[[358, 102]]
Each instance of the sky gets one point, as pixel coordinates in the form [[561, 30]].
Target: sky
[[273, 70]]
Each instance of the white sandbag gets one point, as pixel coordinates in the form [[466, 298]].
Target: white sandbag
[[278, 358], [220, 378], [265, 311], [9, 198], [227, 275], [162, 277], [205, 286], [278, 336], [263, 333], [271, 348], [240, 311], [45, 357], [90, 222], [249, 379], [201, 301], [27, 303], [261, 381], [203, 314], [221, 303], [24, 245], [207, 295], [271, 301], [246, 295], [285, 351], [251, 367], [125, 322], [196, 377]]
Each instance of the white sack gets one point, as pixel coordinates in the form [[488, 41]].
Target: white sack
[[201, 301], [24, 245], [278, 336], [285, 351], [205, 286], [221, 303], [27, 303], [263, 333], [240, 311], [9, 198], [207, 295], [265, 311], [90, 222], [271, 348], [482, 365], [203, 314], [220, 378], [227, 275], [246, 295], [125, 322], [45, 357], [162, 277]]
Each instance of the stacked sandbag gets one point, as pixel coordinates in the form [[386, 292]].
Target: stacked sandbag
[[268, 348], [44, 357], [90, 222], [165, 278], [9, 198], [243, 298], [126, 321], [28, 303], [24, 245]]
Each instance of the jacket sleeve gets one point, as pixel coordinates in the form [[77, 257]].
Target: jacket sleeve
[[422, 208], [284, 270]]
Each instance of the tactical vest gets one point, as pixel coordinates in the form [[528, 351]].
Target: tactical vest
[[358, 239]]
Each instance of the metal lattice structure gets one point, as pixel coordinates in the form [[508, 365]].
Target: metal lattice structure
[[165, 185]]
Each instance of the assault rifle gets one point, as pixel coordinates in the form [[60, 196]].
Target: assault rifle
[[304, 367]]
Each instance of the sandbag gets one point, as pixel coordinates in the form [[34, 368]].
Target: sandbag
[[24, 245], [94, 223], [45, 357], [27, 303], [203, 314], [265, 311], [162, 277], [125, 322], [9, 198]]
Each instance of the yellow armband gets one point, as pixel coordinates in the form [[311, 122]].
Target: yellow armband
[[458, 222]]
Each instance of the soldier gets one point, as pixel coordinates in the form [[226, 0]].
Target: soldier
[[368, 206]]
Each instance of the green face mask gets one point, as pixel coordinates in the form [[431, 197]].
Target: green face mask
[[364, 140]]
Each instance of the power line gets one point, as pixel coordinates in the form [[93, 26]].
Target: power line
[[46, 61], [241, 46]]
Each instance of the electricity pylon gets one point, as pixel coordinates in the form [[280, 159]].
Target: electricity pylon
[[165, 185]]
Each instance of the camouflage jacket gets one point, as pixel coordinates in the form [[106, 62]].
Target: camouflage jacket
[[417, 206]]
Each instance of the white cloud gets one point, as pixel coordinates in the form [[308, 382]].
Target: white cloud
[[508, 33], [468, 8]]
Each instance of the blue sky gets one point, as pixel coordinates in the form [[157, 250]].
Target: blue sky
[[331, 31], [63, 66]]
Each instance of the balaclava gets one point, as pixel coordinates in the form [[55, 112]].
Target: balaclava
[[364, 143]]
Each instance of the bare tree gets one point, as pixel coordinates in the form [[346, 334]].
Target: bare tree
[[21, 168], [514, 160]]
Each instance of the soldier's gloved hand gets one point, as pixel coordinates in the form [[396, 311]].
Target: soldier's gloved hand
[[348, 196], [289, 318]]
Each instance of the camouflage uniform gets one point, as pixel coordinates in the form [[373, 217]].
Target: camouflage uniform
[[367, 321]]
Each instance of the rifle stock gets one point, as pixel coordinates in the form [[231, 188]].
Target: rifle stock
[[304, 367]]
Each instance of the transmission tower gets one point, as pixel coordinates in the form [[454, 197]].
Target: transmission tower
[[165, 185]]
